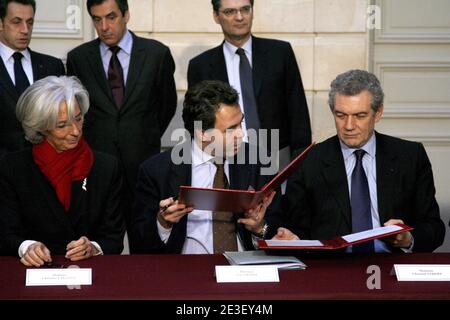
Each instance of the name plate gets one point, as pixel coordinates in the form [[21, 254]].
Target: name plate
[[422, 272], [59, 277], [247, 274]]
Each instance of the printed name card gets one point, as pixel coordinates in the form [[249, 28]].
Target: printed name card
[[422, 272], [59, 277], [247, 274]]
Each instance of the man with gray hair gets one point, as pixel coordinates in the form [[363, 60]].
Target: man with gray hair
[[361, 179]]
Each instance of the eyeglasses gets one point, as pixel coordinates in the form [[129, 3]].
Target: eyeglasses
[[232, 12]]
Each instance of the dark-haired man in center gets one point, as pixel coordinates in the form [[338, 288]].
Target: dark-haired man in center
[[162, 224]]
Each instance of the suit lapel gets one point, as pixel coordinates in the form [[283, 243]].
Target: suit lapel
[[37, 66], [334, 174], [49, 195], [6, 82], [239, 176], [180, 174], [217, 65], [137, 63], [259, 65], [96, 64], [387, 169]]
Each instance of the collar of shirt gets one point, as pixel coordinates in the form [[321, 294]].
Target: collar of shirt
[[125, 44], [230, 50], [370, 148], [6, 53], [199, 157]]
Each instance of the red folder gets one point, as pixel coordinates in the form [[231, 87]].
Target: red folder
[[237, 201], [338, 242]]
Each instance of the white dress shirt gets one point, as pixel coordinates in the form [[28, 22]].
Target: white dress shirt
[[370, 168], [199, 233], [232, 62], [124, 55], [7, 57]]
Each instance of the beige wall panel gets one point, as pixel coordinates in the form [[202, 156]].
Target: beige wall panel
[[322, 118], [340, 15], [141, 15], [184, 47], [414, 21], [290, 16], [184, 16], [334, 55]]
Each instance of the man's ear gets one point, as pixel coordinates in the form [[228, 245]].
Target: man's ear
[[216, 16], [379, 113]]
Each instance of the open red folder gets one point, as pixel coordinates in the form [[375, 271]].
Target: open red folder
[[337, 242], [237, 201]]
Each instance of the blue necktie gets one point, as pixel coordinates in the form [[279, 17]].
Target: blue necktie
[[21, 79], [360, 202], [248, 94]]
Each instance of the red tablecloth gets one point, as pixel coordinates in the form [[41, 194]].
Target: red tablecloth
[[191, 277]]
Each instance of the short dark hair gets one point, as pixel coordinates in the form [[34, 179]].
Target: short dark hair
[[216, 4], [122, 4], [352, 83], [4, 6], [202, 101]]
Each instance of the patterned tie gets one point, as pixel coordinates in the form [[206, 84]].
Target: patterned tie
[[224, 227], [248, 94], [115, 77], [360, 202], [21, 78]]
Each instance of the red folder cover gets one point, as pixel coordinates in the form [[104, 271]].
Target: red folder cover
[[338, 242], [237, 201]]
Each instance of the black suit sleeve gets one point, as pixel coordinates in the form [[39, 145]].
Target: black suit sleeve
[[145, 232], [70, 66], [110, 232], [60, 70], [429, 230], [10, 219], [167, 92], [193, 74], [296, 212], [300, 127]]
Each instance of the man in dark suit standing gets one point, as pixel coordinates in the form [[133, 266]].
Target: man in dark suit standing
[[211, 157], [361, 179], [131, 87], [19, 67], [263, 71]]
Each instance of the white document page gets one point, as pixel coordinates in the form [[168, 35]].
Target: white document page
[[294, 243], [371, 233]]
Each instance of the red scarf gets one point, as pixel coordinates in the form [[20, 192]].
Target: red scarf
[[63, 168]]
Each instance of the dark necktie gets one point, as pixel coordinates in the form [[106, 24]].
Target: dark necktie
[[248, 94], [360, 202], [21, 78], [224, 227], [115, 77]]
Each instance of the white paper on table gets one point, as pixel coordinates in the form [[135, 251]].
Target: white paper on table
[[422, 272], [58, 277], [294, 243], [371, 233]]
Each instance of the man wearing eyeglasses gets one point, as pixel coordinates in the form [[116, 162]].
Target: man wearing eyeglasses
[[263, 71]]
